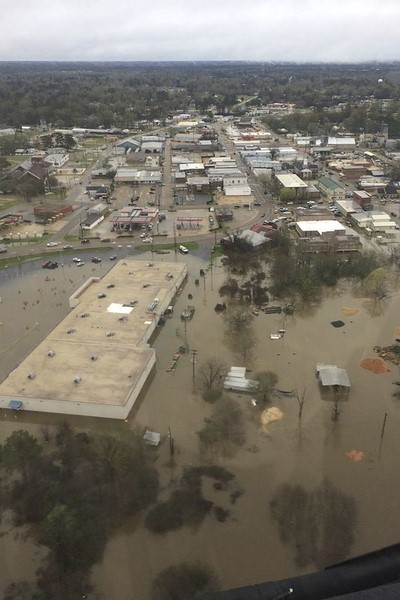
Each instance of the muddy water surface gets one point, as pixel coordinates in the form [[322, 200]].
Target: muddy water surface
[[247, 547]]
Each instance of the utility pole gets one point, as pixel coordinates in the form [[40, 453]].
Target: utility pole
[[194, 357], [382, 434], [211, 272], [175, 249], [171, 442]]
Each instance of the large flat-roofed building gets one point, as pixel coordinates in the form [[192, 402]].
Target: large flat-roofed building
[[289, 180], [97, 359]]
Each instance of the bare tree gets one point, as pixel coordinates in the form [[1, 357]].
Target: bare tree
[[212, 372], [301, 399]]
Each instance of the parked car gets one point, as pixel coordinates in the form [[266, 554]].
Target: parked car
[[50, 264], [76, 260], [183, 249], [80, 263], [96, 259], [113, 257], [3, 249], [67, 247], [51, 244]]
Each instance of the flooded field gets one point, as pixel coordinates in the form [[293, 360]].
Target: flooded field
[[345, 463]]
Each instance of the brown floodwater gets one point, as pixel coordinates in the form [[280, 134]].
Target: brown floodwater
[[246, 548]]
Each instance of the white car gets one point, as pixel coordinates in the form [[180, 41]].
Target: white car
[[76, 260], [80, 263], [51, 244], [183, 249]]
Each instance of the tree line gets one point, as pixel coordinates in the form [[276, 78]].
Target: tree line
[[120, 94]]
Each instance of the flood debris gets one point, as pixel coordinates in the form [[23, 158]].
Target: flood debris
[[269, 415], [355, 455], [375, 365], [337, 323]]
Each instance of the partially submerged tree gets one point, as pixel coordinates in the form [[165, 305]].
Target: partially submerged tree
[[225, 428], [184, 582], [301, 398], [212, 372], [376, 284], [267, 381], [239, 333]]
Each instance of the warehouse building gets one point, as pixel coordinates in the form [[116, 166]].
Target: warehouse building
[[96, 360]]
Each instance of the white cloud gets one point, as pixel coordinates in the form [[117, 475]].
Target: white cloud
[[310, 30]]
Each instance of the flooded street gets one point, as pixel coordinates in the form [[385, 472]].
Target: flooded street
[[248, 547]]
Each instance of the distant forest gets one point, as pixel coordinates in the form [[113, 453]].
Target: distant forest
[[113, 94]]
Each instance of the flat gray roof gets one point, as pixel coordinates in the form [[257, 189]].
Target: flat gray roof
[[98, 355]]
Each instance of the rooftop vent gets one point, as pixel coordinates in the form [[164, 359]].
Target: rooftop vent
[[94, 357], [31, 375], [51, 353], [77, 379]]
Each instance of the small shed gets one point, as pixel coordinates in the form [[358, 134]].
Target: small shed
[[151, 438], [331, 375]]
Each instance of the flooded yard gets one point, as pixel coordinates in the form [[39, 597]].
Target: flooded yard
[[347, 463]]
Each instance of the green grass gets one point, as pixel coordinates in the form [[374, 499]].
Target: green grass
[[7, 204], [167, 246]]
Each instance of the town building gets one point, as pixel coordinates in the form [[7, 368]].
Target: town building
[[47, 212], [331, 189]]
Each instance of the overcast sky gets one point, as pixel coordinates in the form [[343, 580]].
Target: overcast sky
[[280, 30]]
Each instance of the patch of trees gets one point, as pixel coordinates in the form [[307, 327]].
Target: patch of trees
[[318, 524], [297, 279], [184, 582], [74, 490], [224, 431], [239, 334], [300, 280], [351, 117], [120, 94], [211, 375], [29, 187], [187, 505], [240, 256]]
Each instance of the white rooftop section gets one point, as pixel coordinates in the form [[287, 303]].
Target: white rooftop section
[[253, 238], [119, 309], [341, 141], [191, 167], [321, 227], [289, 180]]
